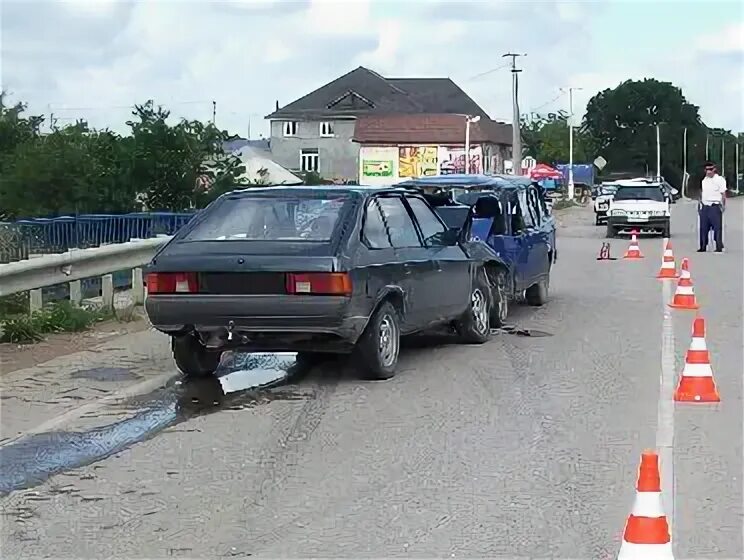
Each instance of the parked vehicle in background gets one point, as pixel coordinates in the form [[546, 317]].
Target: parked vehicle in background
[[602, 198], [318, 271], [641, 206], [507, 213]]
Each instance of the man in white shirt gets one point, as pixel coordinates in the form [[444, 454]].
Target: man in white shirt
[[712, 204]]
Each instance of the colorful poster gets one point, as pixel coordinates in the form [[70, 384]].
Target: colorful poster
[[377, 168], [377, 163], [417, 161], [452, 160]]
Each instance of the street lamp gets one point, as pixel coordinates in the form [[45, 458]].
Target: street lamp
[[468, 121]]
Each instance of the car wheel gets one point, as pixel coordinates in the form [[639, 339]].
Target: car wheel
[[378, 348], [499, 299], [537, 294], [473, 326], [192, 357], [597, 220], [666, 233], [611, 234]]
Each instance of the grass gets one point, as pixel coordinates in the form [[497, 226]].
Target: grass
[[19, 327]]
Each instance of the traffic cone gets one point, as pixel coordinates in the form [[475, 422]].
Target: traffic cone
[[696, 382], [646, 534], [684, 295], [634, 251], [668, 267]]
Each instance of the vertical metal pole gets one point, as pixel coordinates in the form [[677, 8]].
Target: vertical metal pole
[[707, 147], [467, 144], [516, 132], [736, 167], [570, 146], [723, 157], [684, 164], [658, 153]]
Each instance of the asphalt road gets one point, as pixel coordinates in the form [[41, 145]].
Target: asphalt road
[[526, 447]]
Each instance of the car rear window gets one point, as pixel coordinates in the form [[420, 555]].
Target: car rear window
[[285, 218]]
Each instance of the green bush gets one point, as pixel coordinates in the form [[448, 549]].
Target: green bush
[[57, 317]]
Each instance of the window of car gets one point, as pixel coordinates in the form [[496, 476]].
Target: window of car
[[515, 214], [431, 226], [375, 232], [529, 220], [534, 205], [640, 192], [399, 224], [291, 217]]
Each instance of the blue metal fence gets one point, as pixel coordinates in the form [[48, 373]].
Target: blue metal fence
[[57, 235]]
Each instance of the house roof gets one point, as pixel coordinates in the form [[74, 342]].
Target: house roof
[[363, 91], [428, 129]]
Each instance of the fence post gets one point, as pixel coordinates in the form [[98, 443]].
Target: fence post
[[138, 287], [34, 299], [107, 291], [76, 293]]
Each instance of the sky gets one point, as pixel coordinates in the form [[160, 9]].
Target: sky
[[93, 59]]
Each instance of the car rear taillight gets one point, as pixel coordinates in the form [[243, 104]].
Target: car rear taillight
[[172, 283], [319, 283]]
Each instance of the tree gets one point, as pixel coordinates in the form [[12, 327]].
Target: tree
[[621, 122], [546, 138]]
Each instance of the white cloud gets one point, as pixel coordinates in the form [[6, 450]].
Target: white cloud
[[247, 54]]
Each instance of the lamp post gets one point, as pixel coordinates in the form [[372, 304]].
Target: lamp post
[[468, 121]]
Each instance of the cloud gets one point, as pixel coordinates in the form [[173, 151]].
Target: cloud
[[94, 59]]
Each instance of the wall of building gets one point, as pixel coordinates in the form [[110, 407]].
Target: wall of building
[[386, 165], [337, 157]]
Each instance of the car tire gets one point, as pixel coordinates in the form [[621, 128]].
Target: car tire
[[666, 232], [499, 299], [192, 358], [597, 220], [611, 233], [378, 348], [537, 294], [473, 326]]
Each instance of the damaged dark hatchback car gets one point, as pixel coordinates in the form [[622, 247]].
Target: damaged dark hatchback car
[[318, 271]]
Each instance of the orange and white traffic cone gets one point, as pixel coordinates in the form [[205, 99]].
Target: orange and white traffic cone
[[696, 383], [646, 534], [684, 295], [668, 267], [634, 251]]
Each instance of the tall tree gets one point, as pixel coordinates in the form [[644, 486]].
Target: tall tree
[[546, 138], [622, 123]]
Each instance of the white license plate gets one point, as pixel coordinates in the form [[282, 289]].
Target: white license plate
[[638, 219]]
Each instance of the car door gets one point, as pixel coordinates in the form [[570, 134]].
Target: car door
[[417, 273], [516, 243], [539, 259], [450, 282], [534, 258]]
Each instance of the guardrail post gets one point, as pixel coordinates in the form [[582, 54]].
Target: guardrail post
[[76, 293], [107, 291], [138, 287], [34, 298]]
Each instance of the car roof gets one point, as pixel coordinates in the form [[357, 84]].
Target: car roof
[[283, 190], [638, 183], [466, 181]]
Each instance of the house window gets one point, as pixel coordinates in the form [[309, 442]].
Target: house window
[[290, 128], [326, 129], [309, 160]]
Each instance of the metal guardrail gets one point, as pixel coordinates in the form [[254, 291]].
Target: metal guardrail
[[26, 237], [77, 264]]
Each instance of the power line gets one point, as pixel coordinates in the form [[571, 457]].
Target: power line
[[106, 107], [487, 72], [556, 98]]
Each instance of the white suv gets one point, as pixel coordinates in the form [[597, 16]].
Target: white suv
[[639, 206]]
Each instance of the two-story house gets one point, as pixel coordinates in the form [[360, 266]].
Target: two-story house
[[316, 132]]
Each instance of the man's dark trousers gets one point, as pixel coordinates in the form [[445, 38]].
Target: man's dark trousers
[[711, 217]]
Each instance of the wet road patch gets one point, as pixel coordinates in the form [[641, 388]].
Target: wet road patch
[[33, 459], [106, 374]]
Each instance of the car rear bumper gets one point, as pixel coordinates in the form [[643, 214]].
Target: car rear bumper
[[275, 321], [654, 223]]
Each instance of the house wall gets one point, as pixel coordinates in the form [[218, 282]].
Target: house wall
[[338, 156], [386, 165]]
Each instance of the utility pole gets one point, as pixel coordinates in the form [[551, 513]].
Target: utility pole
[[684, 164], [516, 132], [707, 147], [723, 157], [736, 166], [658, 153], [214, 111], [570, 90]]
